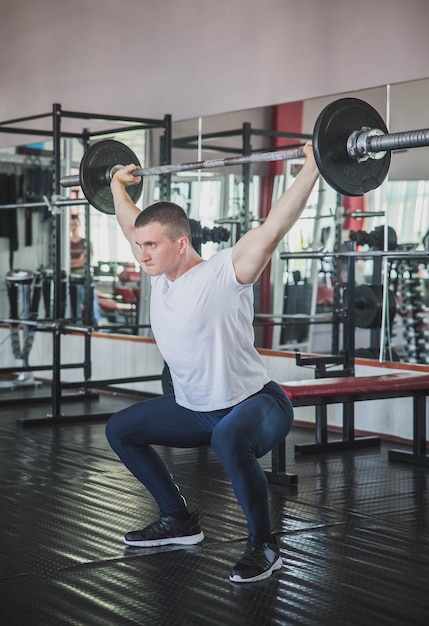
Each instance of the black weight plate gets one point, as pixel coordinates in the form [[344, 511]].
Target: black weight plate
[[97, 160], [333, 127], [196, 235], [369, 306]]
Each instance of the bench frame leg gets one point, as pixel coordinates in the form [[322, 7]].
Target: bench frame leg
[[348, 441], [419, 455], [278, 474]]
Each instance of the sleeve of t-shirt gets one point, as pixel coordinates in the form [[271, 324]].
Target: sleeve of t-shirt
[[223, 269]]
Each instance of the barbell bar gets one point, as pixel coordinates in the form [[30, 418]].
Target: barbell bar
[[351, 144]]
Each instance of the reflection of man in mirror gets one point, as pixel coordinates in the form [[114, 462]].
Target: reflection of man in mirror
[[78, 250], [77, 247]]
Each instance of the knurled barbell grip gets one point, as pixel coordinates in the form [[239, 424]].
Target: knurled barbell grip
[[398, 141], [373, 143], [257, 157]]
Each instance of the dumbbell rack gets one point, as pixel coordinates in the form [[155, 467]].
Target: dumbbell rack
[[415, 319]]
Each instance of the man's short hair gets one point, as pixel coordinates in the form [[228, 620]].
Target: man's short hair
[[170, 215]]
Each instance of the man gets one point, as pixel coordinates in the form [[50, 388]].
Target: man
[[78, 249], [201, 317]]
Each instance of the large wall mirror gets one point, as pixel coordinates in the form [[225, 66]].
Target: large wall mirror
[[224, 201], [395, 217]]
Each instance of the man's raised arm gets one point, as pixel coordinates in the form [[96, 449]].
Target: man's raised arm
[[252, 252], [125, 209]]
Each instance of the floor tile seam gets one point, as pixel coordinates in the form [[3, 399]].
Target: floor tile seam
[[15, 576], [355, 514], [301, 501], [385, 527], [49, 573], [109, 456], [106, 455]]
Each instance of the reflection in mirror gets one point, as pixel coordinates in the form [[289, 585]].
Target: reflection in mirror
[[237, 198], [393, 323]]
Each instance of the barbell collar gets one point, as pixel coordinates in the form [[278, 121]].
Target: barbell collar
[[358, 144]]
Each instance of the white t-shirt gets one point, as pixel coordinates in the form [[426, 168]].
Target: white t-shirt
[[202, 323]]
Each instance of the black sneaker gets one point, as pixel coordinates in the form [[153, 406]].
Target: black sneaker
[[257, 563], [167, 530]]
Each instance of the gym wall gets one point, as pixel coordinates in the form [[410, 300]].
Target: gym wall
[[199, 57]]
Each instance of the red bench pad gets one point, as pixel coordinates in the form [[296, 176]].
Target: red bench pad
[[350, 385]]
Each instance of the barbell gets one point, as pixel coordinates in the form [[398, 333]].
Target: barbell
[[351, 144]]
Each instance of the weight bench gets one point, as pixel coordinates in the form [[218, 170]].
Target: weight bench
[[347, 390]]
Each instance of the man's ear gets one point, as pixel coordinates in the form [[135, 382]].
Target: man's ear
[[183, 244]]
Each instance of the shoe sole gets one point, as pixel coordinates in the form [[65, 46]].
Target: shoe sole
[[153, 543], [275, 566]]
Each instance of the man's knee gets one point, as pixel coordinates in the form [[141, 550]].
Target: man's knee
[[112, 428]]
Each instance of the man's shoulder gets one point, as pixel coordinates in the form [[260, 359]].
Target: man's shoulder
[[221, 257]]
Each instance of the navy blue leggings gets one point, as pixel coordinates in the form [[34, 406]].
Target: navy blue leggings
[[238, 435]]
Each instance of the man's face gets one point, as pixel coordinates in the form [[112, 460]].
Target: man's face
[[158, 254]]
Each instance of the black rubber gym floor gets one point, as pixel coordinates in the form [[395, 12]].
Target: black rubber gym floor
[[354, 536]]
